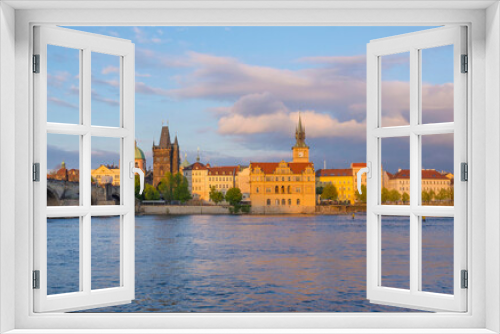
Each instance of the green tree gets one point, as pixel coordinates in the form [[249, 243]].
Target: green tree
[[234, 196], [442, 195], [215, 195], [330, 192], [425, 196], [394, 195], [319, 190], [385, 195], [361, 197], [432, 195], [181, 191], [405, 197], [167, 186], [150, 193]]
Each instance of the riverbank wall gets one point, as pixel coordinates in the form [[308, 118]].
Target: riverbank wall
[[182, 210], [339, 209], [224, 210]]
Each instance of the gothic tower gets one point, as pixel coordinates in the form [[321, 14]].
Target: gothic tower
[[165, 156], [300, 149]]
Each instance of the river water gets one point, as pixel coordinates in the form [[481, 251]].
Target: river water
[[197, 263]]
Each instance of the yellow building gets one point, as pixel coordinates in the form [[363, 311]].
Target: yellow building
[[196, 174], [106, 174], [342, 179], [284, 187]]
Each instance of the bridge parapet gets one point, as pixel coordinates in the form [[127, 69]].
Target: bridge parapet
[[67, 193]]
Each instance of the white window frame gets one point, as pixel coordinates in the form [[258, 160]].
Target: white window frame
[[414, 43], [484, 103], [86, 44]]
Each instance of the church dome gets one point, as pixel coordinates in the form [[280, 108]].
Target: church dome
[[139, 154]]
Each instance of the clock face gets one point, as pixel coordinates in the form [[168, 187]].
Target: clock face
[[301, 154]]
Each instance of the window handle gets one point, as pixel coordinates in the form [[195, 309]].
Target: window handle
[[368, 171], [133, 171]]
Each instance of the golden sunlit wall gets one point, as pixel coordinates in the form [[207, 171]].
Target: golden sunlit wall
[[281, 190], [343, 183]]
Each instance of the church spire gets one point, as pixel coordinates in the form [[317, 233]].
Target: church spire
[[176, 142], [300, 134]]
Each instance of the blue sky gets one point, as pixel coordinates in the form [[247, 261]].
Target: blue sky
[[235, 92]]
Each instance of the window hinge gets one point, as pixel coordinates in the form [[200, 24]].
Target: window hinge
[[464, 171], [465, 64], [36, 279], [465, 279], [36, 172], [36, 63]]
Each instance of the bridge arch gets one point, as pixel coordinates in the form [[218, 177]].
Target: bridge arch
[[52, 198]]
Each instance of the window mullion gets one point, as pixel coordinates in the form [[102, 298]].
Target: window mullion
[[86, 273], [414, 169]]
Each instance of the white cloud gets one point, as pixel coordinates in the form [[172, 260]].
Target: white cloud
[[110, 69], [62, 103]]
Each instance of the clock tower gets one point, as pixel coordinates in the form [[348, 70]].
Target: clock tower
[[300, 149]]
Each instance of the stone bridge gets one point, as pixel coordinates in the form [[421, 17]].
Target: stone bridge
[[64, 193]]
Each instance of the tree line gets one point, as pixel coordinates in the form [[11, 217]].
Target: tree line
[[172, 187], [330, 192]]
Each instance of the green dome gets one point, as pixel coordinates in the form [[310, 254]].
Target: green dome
[[139, 154]]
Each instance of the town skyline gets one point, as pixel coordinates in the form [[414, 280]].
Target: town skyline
[[186, 76]]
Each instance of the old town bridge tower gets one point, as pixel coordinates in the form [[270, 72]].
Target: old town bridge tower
[[165, 156]]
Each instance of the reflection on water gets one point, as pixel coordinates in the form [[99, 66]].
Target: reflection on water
[[259, 264]]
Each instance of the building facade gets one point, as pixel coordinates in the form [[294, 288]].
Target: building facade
[[105, 174], [196, 174], [222, 178], [342, 179], [63, 174], [284, 187], [432, 180], [166, 156]]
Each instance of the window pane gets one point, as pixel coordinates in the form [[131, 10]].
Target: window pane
[[63, 170], [105, 252], [63, 85], [395, 158], [437, 254], [63, 255], [105, 90], [395, 77], [395, 251], [105, 171], [437, 170], [437, 84]]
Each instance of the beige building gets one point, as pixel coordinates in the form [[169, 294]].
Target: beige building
[[222, 178], [431, 180], [106, 174], [243, 182], [285, 187]]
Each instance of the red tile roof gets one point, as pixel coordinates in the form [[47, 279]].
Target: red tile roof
[[334, 172], [426, 174], [270, 167], [196, 166], [223, 170], [358, 164]]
